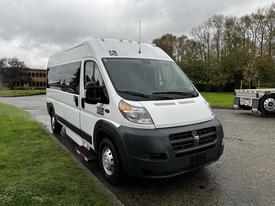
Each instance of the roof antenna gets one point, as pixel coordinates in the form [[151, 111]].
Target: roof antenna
[[139, 38]]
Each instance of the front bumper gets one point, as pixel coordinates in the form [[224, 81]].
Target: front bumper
[[151, 153]]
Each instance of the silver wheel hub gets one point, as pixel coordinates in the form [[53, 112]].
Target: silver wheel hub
[[269, 104], [107, 161], [53, 122]]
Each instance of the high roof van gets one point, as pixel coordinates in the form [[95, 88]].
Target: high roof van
[[133, 107]]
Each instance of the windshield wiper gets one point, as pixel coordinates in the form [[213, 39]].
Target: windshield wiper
[[177, 92], [134, 93]]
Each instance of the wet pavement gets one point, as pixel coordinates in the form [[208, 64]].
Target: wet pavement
[[245, 174]]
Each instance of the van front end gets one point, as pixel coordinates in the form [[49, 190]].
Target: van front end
[[166, 152], [167, 127]]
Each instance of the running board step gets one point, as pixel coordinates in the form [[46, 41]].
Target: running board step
[[87, 155]]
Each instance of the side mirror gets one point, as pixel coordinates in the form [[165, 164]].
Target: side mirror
[[93, 93]]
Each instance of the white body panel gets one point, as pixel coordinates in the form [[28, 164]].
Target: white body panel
[[175, 113], [75, 137], [165, 113], [64, 106]]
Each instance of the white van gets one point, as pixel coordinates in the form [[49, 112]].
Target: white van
[[136, 110]]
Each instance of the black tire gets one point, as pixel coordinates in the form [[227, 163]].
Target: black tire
[[116, 175], [267, 104], [56, 127]]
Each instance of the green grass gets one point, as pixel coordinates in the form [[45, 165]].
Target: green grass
[[34, 170], [219, 99], [21, 92]]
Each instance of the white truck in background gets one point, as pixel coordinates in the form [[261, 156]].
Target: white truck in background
[[260, 101]]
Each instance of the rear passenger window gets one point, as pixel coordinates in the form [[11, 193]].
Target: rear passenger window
[[65, 77]]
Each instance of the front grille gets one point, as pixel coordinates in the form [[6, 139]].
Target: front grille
[[193, 141]]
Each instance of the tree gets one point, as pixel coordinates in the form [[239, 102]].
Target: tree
[[270, 28], [168, 43], [226, 51], [180, 47], [12, 72], [217, 22]]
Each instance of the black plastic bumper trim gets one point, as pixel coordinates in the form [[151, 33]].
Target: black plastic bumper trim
[[76, 130], [139, 144]]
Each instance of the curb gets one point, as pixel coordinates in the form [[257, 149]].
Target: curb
[[27, 95], [222, 108]]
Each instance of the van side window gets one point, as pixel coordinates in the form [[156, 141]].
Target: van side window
[[89, 68], [65, 77], [92, 74], [97, 76]]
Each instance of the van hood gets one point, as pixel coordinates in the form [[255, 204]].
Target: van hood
[[179, 112]]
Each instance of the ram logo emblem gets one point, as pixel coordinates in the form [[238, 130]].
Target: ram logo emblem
[[196, 136]]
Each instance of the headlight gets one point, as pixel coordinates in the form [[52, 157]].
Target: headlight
[[210, 108], [135, 114]]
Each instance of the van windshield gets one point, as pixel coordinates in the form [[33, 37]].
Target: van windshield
[[145, 79]]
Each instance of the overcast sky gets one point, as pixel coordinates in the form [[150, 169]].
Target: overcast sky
[[34, 29]]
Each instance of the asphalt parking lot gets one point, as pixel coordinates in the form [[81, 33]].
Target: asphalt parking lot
[[245, 174]]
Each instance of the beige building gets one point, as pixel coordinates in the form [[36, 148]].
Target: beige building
[[37, 79]]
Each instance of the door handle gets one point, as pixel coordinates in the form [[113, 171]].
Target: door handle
[[76, 100], [83, 103]]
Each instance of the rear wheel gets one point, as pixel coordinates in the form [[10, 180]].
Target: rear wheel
[[56, 127], [267, 105], [109, 161]]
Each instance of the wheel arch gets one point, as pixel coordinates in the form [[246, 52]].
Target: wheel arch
[[104, 128]]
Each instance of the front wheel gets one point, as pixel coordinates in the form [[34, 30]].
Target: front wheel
[[109, 162], [267, 105]]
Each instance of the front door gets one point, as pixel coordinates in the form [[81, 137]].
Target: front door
[[90, 113]]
